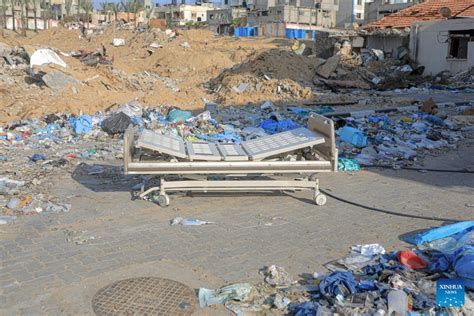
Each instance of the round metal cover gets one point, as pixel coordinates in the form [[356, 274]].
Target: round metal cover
[[144, 296]]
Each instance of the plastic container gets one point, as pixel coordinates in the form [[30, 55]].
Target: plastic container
[[354, 136], [397, 302]]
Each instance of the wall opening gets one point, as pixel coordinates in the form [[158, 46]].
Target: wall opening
[[459, 43]]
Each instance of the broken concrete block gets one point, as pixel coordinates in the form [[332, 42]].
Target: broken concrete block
[[325, 70], [58, 80]]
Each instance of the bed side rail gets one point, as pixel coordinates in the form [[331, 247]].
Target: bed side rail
[[325, 126], [128, 147]]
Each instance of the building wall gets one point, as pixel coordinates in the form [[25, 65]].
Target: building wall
[[429, 45], [344, 16], [389, 44], [376, 9]]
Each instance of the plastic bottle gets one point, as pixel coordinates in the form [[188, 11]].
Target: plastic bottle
[[397, 302]]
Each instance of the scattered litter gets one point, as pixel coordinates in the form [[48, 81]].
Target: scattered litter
[[77, 237], [46, 56], [189, 221], [277, 276], [118, 42], [38, 157], [386, 283], [237, 292]]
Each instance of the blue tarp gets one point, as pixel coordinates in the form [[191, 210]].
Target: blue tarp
[[246, 31], [438, 233], [301, 111], [300, 33]]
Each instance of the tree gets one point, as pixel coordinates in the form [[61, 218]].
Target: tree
[[68, 7], [31, 4], [35, 9], [105, 7], [79, 6], [127, 7], [136, 7], [87, 6], [22, 17], [44, 7], [3, 8], [115, 8], [12, 3]]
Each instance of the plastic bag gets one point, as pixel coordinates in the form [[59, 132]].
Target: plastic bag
[[116, 123]]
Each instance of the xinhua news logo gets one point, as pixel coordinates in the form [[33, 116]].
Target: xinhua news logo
[[450, 292]]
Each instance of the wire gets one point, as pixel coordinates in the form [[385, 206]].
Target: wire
[[421, 169], [433, 218]]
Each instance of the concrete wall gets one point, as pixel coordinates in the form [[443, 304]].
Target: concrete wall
[[377, 9], [429, 45], [344, 16], [389, 44], [323, 45], [272, 29]]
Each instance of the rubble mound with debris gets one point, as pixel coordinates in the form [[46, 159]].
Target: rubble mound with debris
[[272, 75]]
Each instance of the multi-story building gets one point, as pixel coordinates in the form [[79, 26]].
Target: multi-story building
[[181, 14], [377, 9]]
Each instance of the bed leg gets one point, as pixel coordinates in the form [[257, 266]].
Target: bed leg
[[318, 198]]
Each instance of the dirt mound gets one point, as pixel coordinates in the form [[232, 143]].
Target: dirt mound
[[277, 75], [151, 67]]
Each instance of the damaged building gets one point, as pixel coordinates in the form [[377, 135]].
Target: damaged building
[[438, 33]]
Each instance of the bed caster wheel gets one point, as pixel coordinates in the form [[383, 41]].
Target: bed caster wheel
[[163, 200], [320, 199]]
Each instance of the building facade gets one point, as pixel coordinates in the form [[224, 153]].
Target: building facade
[[181, 14], [377, 9], [443, 45]]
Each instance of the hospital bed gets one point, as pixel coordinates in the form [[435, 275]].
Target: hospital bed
[[245, 167]]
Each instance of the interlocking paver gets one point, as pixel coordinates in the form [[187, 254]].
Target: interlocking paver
[[232, 250]]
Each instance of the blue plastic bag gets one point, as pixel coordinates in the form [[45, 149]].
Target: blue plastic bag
[[463, 265], [353, 135], [347, 164], [81, 124], [272, 126], [338, 283], [176, 115]]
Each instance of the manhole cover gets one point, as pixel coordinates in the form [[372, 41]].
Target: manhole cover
[[144, 296]]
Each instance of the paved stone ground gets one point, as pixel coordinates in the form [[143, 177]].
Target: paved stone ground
[[42, 273]]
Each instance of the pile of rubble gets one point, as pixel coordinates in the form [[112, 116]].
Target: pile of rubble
[[368, 281], [276, 72]]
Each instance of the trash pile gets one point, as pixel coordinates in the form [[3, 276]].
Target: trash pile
[[367, 69], [400, 139], [369, 281], [61, 142]]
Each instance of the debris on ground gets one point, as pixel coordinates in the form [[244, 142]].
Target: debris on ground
[[189, 221], [403, 281]]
